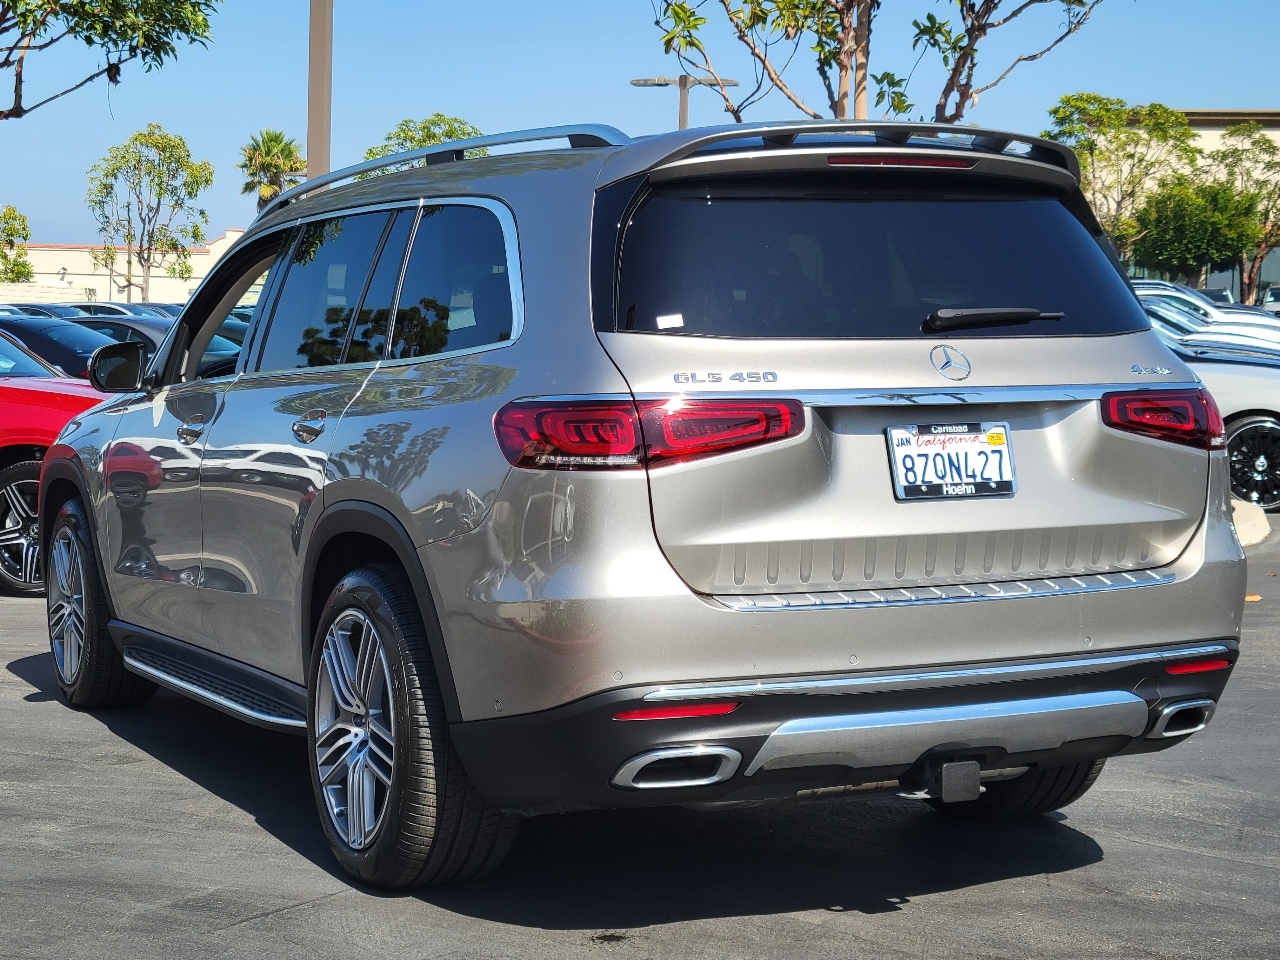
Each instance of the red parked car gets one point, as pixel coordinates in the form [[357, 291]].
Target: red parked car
[[36, 401]]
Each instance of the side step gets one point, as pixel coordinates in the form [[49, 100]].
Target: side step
[[219, 682]]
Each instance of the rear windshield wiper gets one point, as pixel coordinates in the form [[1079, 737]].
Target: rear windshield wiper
[[983, 316]]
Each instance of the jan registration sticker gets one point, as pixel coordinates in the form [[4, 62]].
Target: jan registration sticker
[[945, 461]]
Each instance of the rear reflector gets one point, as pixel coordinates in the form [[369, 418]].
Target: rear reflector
[[613, 434], [1189, 417], [898, 160], [1196, 666], [677, 712]]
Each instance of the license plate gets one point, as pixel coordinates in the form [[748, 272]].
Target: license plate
[[948, 461]]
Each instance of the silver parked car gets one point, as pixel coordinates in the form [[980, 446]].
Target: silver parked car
[[751, 463]]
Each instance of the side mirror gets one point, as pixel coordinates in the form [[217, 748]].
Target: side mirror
[[118, 367]]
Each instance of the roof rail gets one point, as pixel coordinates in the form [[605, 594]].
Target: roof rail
[[671, 148], [578, 135]]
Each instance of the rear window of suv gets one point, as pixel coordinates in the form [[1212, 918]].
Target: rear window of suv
[[826, 261]]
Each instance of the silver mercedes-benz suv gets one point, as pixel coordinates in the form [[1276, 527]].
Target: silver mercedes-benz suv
[[737, 464]]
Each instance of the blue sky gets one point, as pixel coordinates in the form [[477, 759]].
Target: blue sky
[[505, 65]]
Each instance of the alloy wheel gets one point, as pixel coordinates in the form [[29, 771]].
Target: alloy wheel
[[1254, 452], [66, 604], [355, 728], [19, 534]]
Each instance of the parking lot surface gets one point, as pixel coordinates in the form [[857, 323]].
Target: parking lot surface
[[174, 831]]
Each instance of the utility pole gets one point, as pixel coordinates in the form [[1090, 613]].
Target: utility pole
[[684, 82], [319, 88]]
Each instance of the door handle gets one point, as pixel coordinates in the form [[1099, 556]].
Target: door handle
[[192, 430], [310, 426]]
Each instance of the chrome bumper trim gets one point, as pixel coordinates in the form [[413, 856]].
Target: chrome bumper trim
[[941, 677], [946, 593], [901, 737]]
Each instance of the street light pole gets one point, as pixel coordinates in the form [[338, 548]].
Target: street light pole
[[683, 82], [319, 88]]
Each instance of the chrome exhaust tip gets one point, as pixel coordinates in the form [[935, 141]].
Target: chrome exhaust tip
[[1182, 719], [670, 767]]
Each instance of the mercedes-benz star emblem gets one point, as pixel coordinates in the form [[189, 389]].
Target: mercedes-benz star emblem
[[950, 362]]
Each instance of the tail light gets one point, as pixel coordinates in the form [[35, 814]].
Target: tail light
[[1189, 417], [611, 434]]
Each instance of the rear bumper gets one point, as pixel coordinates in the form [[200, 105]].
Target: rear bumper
[[802, 737]]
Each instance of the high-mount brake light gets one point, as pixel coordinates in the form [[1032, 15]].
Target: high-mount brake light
[[898, 160], [618, 434], [1196, 666], [1189, 417], [680, 712]]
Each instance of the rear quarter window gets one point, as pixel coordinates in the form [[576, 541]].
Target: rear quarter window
[[826, 261]]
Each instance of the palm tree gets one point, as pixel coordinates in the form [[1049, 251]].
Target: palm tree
[[271, 162]]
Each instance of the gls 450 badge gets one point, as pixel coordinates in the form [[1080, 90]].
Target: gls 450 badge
[[750, 376]]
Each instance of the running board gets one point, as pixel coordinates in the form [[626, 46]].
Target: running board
[[234, 688]]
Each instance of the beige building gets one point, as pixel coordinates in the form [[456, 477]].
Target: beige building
[[65, 272], [1209, 126]]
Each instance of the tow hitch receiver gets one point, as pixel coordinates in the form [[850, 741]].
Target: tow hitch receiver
[[959, 782]]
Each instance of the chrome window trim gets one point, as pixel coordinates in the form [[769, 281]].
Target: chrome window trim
[[946, 676], [931, 396], [511, 246], [947, 592], [515, 282]]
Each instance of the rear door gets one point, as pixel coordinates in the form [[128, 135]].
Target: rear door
[[928, 457], [265, 465]]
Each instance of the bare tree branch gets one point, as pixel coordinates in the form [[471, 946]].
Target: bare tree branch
[[1027, 58]]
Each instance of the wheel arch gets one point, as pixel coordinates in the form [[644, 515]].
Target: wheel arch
[[61, 481], [20, 453], [1246, 414], [351, 534]]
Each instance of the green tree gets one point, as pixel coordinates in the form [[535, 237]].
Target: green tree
[[1250, 160], [957, 47], [837, 32], [14, 232], [1125, 152], [118, 30], [143, 195], [272, 164], [1188, 224], [411, 134]]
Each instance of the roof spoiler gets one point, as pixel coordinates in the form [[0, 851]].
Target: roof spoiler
[[665, 149]]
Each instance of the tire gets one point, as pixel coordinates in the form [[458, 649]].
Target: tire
[[374, 692], [20, 566], [1253, 450], [1034, 793], [89, 669]]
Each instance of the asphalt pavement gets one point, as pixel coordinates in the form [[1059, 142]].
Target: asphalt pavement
[[174, 831]]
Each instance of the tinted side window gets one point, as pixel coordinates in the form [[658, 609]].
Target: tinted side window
[[327, 272], [456, 292], [369, 339]]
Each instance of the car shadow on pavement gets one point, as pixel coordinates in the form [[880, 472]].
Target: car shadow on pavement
[[610, 870]]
